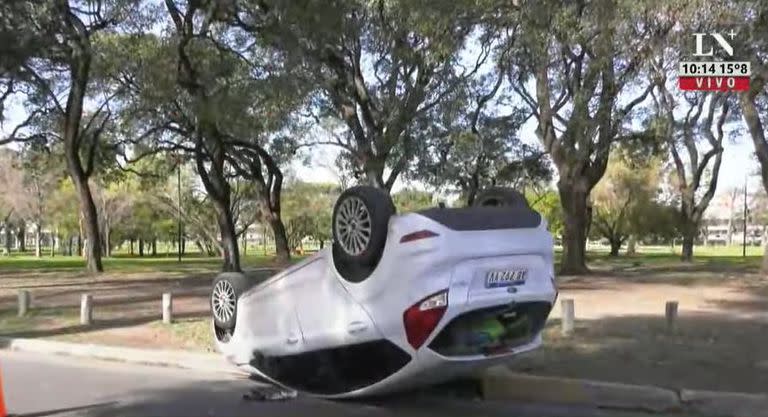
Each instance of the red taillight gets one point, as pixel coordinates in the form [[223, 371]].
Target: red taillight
[[422, 318], [421, 234]]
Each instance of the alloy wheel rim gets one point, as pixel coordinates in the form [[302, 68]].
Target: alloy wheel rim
[[353, 226], [223, 301]]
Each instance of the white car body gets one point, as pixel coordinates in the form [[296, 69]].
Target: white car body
[[311, 307]]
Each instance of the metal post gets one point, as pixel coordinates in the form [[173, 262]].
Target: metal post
[[671, 315], [24, 302], [86, 309], [744, 236], [167, 308], [568, 316], [179, 208]]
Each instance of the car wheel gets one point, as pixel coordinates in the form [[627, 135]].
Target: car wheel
[[360, 220], [499, 196], [227, 288]]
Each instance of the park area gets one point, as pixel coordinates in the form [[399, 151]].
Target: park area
[[621, 334]]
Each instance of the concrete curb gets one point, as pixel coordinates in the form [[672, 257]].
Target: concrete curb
[[501, 384], [710, 403], [170, 358]]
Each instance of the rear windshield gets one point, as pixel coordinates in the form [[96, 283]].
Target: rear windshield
[[484, 218]]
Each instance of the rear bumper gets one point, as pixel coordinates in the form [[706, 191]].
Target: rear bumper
[[429, 367]]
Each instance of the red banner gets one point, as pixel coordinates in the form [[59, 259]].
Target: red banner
[[713, 83]]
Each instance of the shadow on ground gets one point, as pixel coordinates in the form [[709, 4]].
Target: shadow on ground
[[225, 399], [704, 351]]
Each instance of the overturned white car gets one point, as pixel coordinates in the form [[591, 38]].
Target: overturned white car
[[397, 300]]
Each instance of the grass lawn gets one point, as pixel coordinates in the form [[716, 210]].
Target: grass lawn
[[37, 319], [125, 263], [597, 257]]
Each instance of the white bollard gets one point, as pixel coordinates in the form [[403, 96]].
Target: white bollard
[[86, 309], [671, 314], [167, 308], [24, 302], [568, 316]]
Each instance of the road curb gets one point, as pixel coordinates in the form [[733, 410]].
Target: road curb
[[169, 358], [714, 404], [501, 384]]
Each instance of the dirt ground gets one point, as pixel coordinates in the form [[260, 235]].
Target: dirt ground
[[126, 308], [621, 333]]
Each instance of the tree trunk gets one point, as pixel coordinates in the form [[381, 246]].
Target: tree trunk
[[690, 230], [574, 202], [90, 224], [141, 247], [615, 247], [107, 240], [282, 248], [229, 247], [38, 241], [632, 245], [764, 267], [200, 246], [8, 238], [79, 245], [687, 253], [132, 252], [21, 237], [70, 245], [245, 242], [751, 116], [154, 246], [322, 244]]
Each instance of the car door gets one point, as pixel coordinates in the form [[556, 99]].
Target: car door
[[328, 316], [273, 323]]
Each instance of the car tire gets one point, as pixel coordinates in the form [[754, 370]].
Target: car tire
[[500, 196], [360, 222], [226, 290]]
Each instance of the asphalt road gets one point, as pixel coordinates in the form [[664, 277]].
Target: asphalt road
[[41, 385]]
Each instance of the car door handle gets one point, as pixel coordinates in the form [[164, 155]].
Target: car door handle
[[292, 340], [356, 327]]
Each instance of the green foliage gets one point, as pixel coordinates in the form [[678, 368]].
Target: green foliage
[[547, 203], [624, 202], [410, 200], [307, 209]]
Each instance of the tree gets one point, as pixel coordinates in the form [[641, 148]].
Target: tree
[[624, 197], [27, 178], [696, 171], [115, 202], [577, 67], [308, 208], [62, 218], [224, 102], [66, 59], [376, 67], [754, 103], [468, 143]]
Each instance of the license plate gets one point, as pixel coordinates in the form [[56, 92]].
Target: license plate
[[505, 277]]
